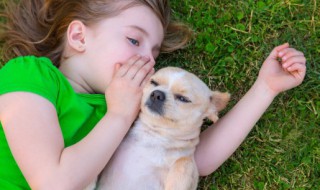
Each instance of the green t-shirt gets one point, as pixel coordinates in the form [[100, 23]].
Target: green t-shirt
[[77, 113]]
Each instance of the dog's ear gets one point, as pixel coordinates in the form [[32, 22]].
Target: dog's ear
[[218, 101]]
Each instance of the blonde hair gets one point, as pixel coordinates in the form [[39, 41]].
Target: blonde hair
[[38, 27]]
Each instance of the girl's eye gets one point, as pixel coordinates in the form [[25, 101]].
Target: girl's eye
[[182, 99], [133, 41]]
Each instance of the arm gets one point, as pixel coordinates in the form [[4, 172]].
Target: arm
[[35, 139], [33, 132], [217, 143]]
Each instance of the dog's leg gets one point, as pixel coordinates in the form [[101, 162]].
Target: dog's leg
[[183, 175]]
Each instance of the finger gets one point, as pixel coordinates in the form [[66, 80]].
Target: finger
[[148, 77], [126, 66], [281, 47], [116, 69], [289, 52], [136, 67], [292, 60], [297, 67], [298, 70], [143, 73], [276, 50]]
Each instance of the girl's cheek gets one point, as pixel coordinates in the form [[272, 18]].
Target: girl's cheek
[[124, 53], [130, 53]]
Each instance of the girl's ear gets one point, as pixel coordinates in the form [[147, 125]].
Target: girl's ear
[[76, 34]]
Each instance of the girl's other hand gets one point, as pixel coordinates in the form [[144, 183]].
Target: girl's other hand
[[124, 92], [283, 69]]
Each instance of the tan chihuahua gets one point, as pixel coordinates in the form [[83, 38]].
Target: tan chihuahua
[[158, 151]]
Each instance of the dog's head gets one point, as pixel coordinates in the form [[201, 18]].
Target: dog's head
[[175, 97]]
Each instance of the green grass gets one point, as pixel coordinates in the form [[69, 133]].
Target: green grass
[[232, 40]]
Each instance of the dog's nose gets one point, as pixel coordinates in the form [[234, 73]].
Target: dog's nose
[[156, 102], [158, 95]]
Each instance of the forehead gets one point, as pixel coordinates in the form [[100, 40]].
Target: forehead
[[142, 17], [136, 17]]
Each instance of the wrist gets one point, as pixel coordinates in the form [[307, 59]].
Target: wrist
[[120, 119], [260, 86]]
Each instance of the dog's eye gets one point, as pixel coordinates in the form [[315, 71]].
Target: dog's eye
[[182, 99], [154, 83]]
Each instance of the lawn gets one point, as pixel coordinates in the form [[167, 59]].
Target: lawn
[[232, 40]]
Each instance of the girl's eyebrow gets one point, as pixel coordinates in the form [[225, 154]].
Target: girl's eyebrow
[[139, 28]]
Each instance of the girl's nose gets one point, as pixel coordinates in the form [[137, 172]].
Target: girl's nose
[[150, 56], [149, 53]]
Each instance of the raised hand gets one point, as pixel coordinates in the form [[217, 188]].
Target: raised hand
[[124, 93]]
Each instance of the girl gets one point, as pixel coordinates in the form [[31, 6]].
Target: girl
[[74, 88]]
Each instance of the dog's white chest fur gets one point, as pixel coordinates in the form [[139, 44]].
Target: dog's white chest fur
[[142, 161]]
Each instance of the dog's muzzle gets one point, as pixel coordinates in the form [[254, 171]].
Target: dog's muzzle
[[156, 102]]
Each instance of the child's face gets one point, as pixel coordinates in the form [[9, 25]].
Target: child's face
[[136, 30]]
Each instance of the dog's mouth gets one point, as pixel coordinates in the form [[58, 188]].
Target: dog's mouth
[[155, 102]]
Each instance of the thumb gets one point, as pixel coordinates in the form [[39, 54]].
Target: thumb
[[116, 69]]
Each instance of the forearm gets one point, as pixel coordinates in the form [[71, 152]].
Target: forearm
[[79, 164], [218, 142]]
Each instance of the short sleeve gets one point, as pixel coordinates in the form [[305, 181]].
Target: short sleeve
[[30, 74]]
